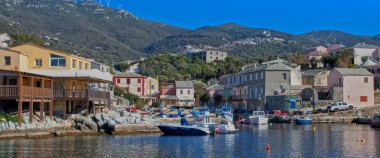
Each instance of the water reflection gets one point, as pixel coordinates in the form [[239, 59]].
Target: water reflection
[[286, 140]]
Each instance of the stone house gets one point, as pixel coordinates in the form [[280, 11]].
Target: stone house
[[352, 85], [317, 78], [248, 88]]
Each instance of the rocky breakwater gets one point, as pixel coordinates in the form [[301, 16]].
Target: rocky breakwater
[[123, 122], [108, 122], [9, 128]]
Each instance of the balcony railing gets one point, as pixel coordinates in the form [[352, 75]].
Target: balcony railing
[[8, 91], [12, 91], [81, 94]]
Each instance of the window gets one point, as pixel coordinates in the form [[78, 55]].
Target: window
[[262, 75], [118, 80], [188, 92], [284, 76], [85, 66], [363, 99], [250, 77], [365, 79], [38, 62], [217, 58], [56, 60], [128, 81], [152, 87], [73, 63], [80, 65], [138, 89], [102, 69], [255, 76], [210, 57], [181, 91], [7, 60], [138, 80]]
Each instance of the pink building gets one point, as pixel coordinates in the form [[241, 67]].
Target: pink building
[[352, 85]]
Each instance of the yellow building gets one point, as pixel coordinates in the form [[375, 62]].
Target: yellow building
[[76, 87], [13, 60], [41, 58]]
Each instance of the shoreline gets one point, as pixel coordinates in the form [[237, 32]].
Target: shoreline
[[118, 130]]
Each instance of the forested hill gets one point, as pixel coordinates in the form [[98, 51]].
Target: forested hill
[[106, 34], [88, 28]]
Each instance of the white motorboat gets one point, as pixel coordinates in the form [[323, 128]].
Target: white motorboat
[[258, 118], [226, 127]]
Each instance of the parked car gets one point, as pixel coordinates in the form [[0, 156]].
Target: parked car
[[337, 106]]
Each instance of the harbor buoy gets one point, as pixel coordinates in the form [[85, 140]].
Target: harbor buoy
[[268, 147]]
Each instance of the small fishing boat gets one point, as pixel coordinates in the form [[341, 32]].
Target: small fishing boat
[[280, 119], [184, 129], [361, 120], [376, 121], [258, 118], [302, 121]]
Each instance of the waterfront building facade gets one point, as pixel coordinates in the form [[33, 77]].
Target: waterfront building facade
[[352, 85]]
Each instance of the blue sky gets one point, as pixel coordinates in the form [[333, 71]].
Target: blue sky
[[293, 16]]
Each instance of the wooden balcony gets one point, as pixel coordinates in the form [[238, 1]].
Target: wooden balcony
[[81, 94], [27, 93]]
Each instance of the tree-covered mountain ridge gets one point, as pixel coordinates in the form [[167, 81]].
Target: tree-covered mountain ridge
[[91, 30]]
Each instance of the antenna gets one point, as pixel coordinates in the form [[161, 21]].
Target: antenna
[[100, 2], [108, 1], [120, 6]]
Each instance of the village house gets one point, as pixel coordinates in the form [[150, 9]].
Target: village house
[[206, 55], [179, 94], [142, 86], [185, 93], [352, 85], [249, 88], [317, 53], [363, 50], [317, 78]]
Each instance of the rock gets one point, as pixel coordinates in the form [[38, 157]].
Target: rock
[[30, 126], [12, 125]]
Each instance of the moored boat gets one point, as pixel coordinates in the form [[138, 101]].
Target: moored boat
[[226, 127], [258, 118], [184, 129], [376, 121], [280, 119], [361, 120], [302, 121]]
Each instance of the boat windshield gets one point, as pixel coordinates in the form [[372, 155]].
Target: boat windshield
[[258, 113]]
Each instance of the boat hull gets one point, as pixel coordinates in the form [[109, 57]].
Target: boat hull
[[182, 130], [302, 121], [277, 119], [362, 120], [259, 121]]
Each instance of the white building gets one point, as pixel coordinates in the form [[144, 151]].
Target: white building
[[363, 50], [185, 93]]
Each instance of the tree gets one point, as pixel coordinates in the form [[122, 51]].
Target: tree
[[204, 98], [218, 99], [365, 58], [298, 58], [329, 61], [314, 62], [345, 57]]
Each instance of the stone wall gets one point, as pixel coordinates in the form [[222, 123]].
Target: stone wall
[[337, 94]]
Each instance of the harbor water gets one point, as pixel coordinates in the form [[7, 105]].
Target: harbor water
[[285, 140]]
